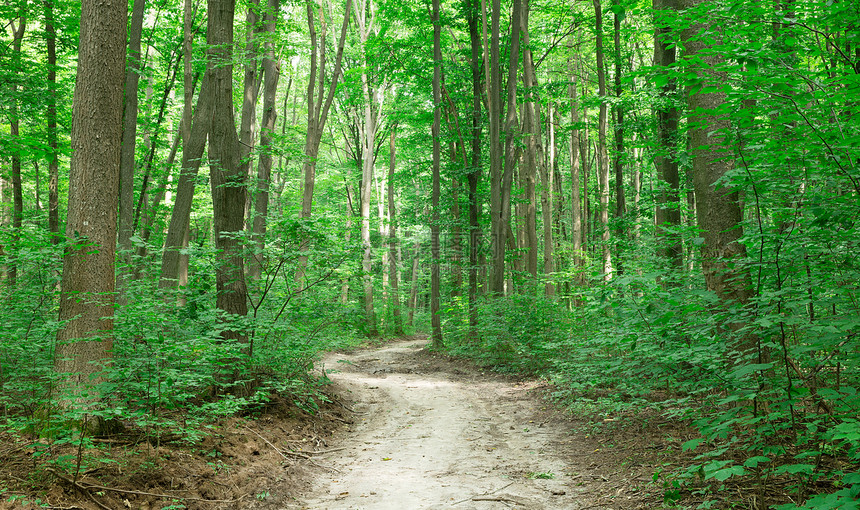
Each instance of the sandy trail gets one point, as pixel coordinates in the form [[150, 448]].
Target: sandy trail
[[430, 435]]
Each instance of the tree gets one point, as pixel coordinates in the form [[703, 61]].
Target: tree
[[718, 208], [602, 157], [228, 173], [435, 279], [668, 214], [86, 302]]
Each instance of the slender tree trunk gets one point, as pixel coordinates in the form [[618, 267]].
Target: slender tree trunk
[[129, 143], [535, 162], [318, 106], [435, 277], [413, 289], [51, 111], [180, 217], [575, 169], [618, 157], [392, 236], [474, 175], [497, 274], [271, 73], [668, 213], [87, 290], [14, 132], [602, 157], [503, 221]]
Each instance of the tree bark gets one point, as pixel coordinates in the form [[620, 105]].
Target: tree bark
[[228, 174], [86, 299], [602, 157], [271, 72], [576, 233], [14, 132], [435, 255], [474, 175], [718, 209], [394, 277], [51, 113], [668, 212], [129, 141]]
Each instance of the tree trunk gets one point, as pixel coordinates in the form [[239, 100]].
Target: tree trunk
[[271, 72], [668, 213], [228, 174], [511, 153], [192, 151], [618, 157], [435, 255], [51, 114], [394, 277], [86, 299], [535, 162], [474, 175], [494, 97], [602, 157], [129, 141], [576, 234], [14, 132], [717, 207]]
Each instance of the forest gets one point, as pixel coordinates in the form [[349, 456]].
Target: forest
[[650, 206]]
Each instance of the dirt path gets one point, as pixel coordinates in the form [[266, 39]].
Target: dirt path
[[430, 435]]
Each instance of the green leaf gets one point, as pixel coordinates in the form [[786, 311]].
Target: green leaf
[[691, 444]]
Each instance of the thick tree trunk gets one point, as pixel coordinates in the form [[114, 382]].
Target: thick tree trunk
[[227, 172], [88, 283], [435, 276], [602, 157], [718, 210], [494, 98]]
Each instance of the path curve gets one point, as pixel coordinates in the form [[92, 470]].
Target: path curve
[[429, 434]]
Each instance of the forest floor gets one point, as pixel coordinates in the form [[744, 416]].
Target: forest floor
[[406, 429]]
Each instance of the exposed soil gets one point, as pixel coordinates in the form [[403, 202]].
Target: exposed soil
[[407, 429]]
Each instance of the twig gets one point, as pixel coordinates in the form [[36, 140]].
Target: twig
[[484, 494], [83, 490], [294, 454]]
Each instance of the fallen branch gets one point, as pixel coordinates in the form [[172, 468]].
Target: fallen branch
[[86, 487], [484, 494], [294, 454]]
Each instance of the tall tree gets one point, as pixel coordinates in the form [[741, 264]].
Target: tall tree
[[86, 302], [435, 277], [394, 277], [51, 114], [619, 156], [602, 156], [718, 208], [668, 213], [474, 175], [228, 174], [271, 73], [14, 131], [129, 136]]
